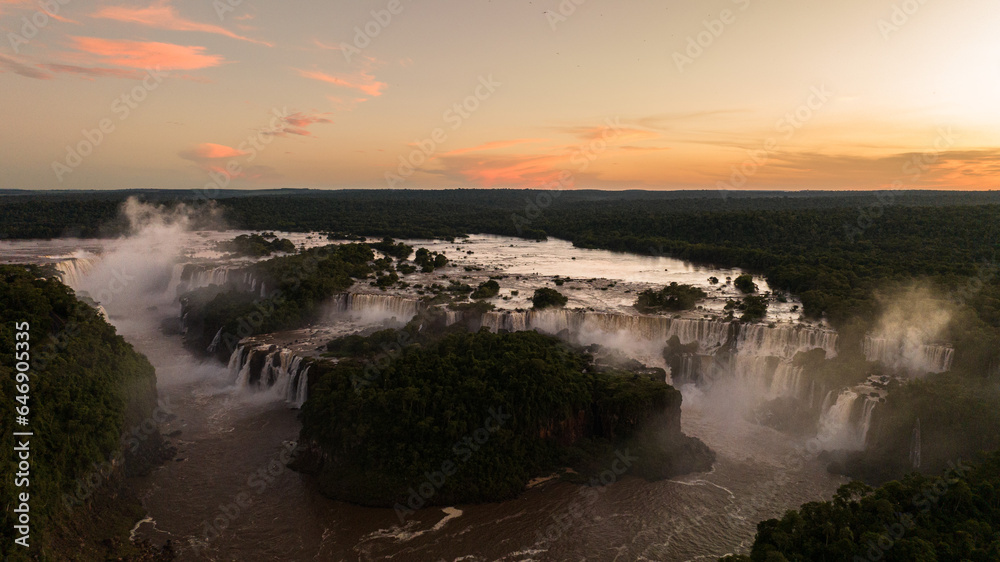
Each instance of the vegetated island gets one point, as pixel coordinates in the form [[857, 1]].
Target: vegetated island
[[451, 416]]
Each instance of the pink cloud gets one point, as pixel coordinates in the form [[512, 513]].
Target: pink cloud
[[147, 54], [364, 81], [162, 15]]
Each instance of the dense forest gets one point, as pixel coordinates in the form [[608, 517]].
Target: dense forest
[[473, 416], [952, 517], [90, 394]]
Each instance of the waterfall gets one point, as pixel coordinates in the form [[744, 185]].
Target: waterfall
[[215, 341], [866, 420], [378, 307], [270, 369], [195, 276], [842, 425], [74, 269], [451, 317], [709, 334], [785, 341], [835, 431], [787, 380], [909, 355], [915, 445], [762, 356]]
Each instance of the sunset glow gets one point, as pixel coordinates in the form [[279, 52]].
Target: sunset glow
[[727, 94]]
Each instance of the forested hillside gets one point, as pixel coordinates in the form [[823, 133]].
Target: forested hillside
[[93, 410]]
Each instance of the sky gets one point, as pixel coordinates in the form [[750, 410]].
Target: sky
[[555, 94]]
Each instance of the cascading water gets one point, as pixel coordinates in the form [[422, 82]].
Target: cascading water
[[74, 269], [377, 307], [756, 358], [271, 369], [784, 341], [842, 426], [915, 445], [709, 334], [909, 356]]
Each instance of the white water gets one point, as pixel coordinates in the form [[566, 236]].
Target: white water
[[842, 425], [281, 373], [907, 355]]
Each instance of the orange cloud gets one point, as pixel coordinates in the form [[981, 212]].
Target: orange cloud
[[147, 54], [212, 151], [163, 16], [216, 159], [364, 81], [525, 170]]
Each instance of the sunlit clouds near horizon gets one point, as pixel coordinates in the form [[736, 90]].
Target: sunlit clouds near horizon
[[720, 94]]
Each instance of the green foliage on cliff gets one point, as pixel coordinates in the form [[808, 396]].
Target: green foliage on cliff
[[256, 245], [671, 298], [88, 390], [390, 247], [486, 411], [429, 261], [753, 307], [546, 297], [745, 283], [952, 517], [296, 288], [486, 290]]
